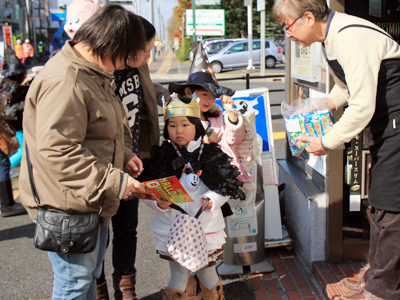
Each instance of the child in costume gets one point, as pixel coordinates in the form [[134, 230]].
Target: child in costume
[[228, 131], [205, 172]]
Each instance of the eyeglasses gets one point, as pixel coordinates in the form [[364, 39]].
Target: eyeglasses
[[291, 25]]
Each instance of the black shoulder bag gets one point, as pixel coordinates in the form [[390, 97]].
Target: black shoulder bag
[[62, 232]]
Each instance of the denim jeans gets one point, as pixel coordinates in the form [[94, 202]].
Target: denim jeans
[[4, 167], [75, 274]]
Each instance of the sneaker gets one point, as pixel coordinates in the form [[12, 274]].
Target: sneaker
[[360, 295], [352, 286], [12, 210]]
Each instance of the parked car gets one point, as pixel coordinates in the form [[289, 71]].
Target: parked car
[[237, 55], [212, 46], [204, 43], [280, 42]]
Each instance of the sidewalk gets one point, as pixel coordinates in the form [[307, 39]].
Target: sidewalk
[[289, 280]]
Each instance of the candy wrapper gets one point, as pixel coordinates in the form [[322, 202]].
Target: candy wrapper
[[309, 117]]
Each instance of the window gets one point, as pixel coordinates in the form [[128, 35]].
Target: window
[[256, 45], [239, 47], [266, 44]]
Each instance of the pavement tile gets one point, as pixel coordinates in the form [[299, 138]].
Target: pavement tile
[[297, 276], [272, 288], [294, 295], [275, 297], [303, 285], [275, 257], [338, 271], [288, 283], [281, 269], [290, 263], [307, 293]]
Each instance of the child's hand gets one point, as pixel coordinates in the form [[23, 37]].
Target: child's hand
[[214, 137], [134, 167], [209, 204], [227, 102], [163, 204]]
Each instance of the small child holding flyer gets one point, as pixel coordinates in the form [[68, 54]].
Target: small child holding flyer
[[205, 172], [228, 131]]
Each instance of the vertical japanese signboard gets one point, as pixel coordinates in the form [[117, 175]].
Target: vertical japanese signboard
[[355, 184], [7, 35]]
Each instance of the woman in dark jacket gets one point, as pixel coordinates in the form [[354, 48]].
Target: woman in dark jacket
[[16, 80]]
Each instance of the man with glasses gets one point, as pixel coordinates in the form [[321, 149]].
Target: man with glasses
[[365, 62]]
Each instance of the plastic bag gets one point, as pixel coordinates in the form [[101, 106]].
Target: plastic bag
[[309, 117]]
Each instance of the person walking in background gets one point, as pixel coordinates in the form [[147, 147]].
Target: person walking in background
[[40, 49], [373, 101], [77, 143], [19, 51], [28, 52], [139, 97], [14, 87], [205, 172]]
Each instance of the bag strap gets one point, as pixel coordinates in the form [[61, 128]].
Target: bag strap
[[201, 209], [32, 183]]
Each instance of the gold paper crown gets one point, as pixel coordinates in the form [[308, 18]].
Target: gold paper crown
[[176, 108]]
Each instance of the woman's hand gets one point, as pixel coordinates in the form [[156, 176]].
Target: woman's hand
[[163, 204], [133, 186], [214, 137], [134, 167]]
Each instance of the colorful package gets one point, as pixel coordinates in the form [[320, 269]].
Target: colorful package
[[309, 117]]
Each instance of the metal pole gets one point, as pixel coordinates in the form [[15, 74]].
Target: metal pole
[[151, 20], [247, 81], [106, 2], [183, 30], [159, 25], [262, 63], [138, 7], [250, 34], [194, 42], [34, 26]]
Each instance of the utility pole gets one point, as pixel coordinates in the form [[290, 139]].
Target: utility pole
[[250, 32], [151, 20], [194, 42], [261, 9], [34, 26], [159, 24], [183, 30]]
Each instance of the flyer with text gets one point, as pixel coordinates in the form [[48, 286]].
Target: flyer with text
[[167, 189]]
